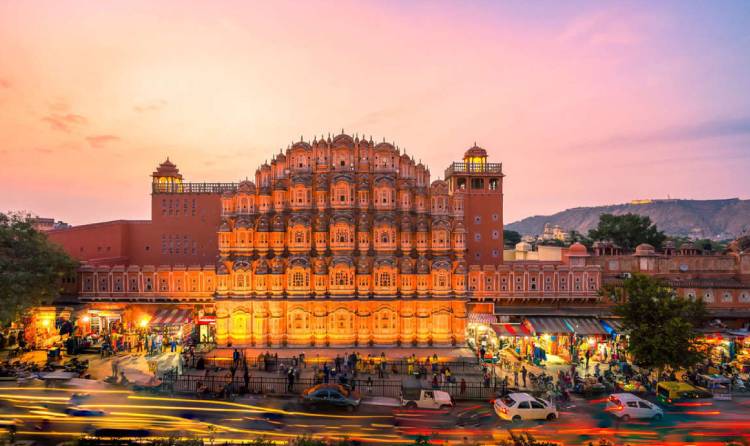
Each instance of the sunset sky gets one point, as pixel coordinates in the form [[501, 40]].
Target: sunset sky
[[585, 103]]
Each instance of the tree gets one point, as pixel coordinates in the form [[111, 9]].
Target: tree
[[627, 231], [31, 267], [511, 237], [576, 236], [661, 325]]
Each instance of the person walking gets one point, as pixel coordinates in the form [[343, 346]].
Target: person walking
[[290, 380], [235, 358], [524, 372], [515, 377], [369, 385], [462, 387]]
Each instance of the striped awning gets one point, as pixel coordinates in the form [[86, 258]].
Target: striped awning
[[585, 326], [511, 330], [482, 318], [171, 316], [612, 326], [549, 325]]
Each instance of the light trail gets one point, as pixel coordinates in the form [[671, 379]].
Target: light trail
[[257, 408]]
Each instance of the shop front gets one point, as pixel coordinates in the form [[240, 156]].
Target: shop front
[[206, 329], [479, 334], [568, 339], [100, 322], [171, 323]]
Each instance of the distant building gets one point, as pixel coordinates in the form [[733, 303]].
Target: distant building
[[47, 224]]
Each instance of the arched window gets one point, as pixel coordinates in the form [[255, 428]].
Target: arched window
[[299, 237]]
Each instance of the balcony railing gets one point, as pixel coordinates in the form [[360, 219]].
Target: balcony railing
[[193, 188], [473, 168]]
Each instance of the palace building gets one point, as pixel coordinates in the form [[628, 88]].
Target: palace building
[[342, 241]]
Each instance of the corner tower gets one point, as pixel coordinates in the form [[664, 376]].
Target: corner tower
[[477, 190]]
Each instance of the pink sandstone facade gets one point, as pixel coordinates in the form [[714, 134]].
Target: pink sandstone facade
[[342, 241]]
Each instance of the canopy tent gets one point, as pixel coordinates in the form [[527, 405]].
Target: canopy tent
[[511, 330], [585, 326], [549, 325], [172, 316], [482, 318], [612, 326]]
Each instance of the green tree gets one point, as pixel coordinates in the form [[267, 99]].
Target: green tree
[[31, 267], [511, 237], [627, 231], [661, 325], [576, 236]]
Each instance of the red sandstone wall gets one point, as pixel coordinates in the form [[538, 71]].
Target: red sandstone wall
[[104, 243], [155, 242], [483, 212]]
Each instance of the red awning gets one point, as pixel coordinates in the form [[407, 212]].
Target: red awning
[[172, 316], [512, 330]]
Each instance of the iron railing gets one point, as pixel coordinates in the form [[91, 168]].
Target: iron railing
[[193, 188], [473, 168], [217, 383]]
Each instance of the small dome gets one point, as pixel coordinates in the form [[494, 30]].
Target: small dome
[[343, 140], [644, 249], [475, 151], [577, 249], [246, 186], [301, 145], [167, 169], [669, 244]]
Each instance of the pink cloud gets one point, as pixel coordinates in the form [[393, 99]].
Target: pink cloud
[[64, 122], [150, 106], [99, 141], [5, 83]]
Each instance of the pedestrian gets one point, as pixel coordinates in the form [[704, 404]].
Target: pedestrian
[[463, 386], [515, 377], [523, 374], [115, 367], [235, 358], [369, 385], [290, 380]]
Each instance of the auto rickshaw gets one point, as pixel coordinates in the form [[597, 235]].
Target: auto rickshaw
[[670, 392]]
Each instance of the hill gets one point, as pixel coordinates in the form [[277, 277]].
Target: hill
[[716, 219]]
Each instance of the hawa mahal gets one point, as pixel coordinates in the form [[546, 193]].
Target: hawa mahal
[[342, 241]]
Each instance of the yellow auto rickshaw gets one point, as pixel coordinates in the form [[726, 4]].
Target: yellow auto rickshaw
[[670, 392]]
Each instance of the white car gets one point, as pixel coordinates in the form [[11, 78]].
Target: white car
[[522, 406], [626, 406]]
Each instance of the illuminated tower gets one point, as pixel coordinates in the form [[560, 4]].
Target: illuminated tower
[[167, 178], [476, 187]]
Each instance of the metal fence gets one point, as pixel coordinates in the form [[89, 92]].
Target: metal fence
[[398, 367], [216, 383]]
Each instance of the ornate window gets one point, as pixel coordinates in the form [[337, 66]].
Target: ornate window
[[299, 237], [299, 279], [239, 281], [342, 278], [384, 279]]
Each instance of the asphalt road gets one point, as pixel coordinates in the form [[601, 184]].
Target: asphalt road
[[39, 414]]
